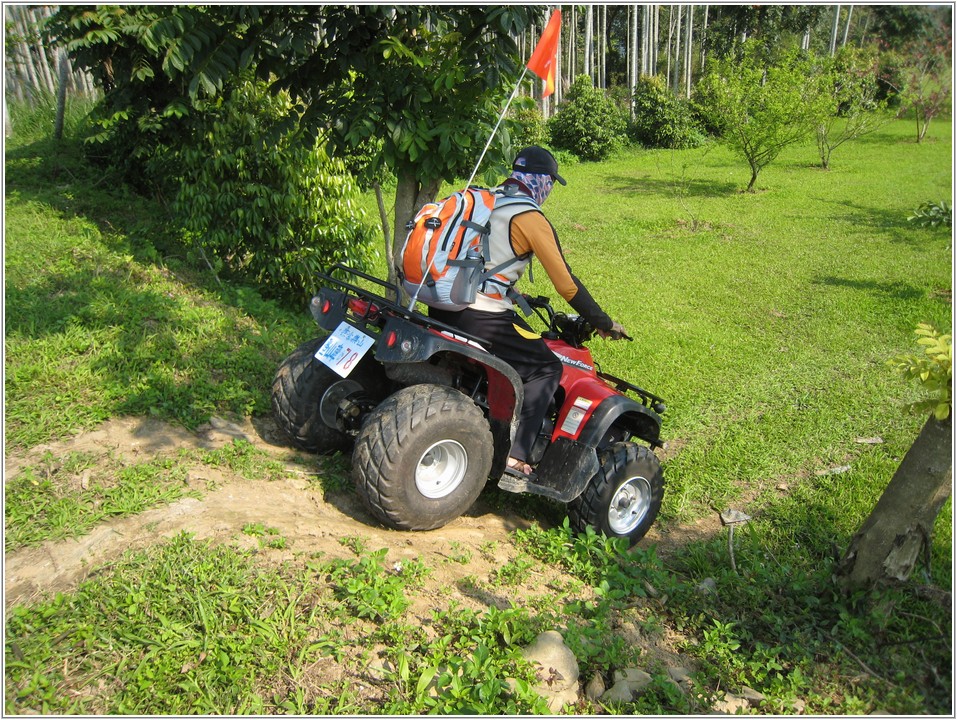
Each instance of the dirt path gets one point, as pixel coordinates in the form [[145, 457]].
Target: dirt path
[[307, 518]]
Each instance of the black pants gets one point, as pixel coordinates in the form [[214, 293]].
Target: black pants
[[538, 367]]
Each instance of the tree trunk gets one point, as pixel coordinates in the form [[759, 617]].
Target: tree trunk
[[847, 28], [64, 72], [689, 39], [897, 532], [677, 75], [834, 26], [604, 46], [671, 27], [410, 196], [589, 38]]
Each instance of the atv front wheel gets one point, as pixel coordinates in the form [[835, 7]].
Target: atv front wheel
[[307, 398], [624, 496], [422, 457]]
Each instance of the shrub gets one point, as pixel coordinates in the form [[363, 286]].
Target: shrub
[[261, 203], [663, 120], [932, 214], [589, 124]]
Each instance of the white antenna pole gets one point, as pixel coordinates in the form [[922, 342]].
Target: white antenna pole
[[495, 129]]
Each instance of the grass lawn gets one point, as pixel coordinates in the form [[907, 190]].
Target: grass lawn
[[764, 319]]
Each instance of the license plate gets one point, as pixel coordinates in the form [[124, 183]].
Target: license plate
[[343, 350]]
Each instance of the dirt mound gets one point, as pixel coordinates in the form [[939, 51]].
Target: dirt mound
[[309, 519]]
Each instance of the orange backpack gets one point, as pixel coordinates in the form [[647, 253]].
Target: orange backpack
[[446, 250]]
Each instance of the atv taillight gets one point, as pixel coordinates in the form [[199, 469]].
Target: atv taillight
[[363, 307], [390, 339], [326, 307]]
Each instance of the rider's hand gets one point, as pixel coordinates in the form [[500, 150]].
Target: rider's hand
[[617, 332]]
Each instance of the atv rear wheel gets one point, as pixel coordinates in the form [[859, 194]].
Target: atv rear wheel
[[624, 496], [307, 398], [422, 457]]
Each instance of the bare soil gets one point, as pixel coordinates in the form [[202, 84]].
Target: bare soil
[[311, 521]]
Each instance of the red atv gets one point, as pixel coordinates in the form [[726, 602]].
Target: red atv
[[430, 414]]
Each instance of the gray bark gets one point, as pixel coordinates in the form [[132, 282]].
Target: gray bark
[[897, 533], [834, 26], [64, 71], [410, 196]]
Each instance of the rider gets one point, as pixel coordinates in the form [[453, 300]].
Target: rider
[[519, 231]]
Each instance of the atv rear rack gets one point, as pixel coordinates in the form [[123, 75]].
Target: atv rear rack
[[393, 307]]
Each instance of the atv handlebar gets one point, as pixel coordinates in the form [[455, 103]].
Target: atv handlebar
[[573, 329]]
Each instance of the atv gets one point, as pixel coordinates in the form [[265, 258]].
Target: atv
[[429, 414]]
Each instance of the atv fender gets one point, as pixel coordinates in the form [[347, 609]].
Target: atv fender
[[402, 342], [621, 410], [569, 464]]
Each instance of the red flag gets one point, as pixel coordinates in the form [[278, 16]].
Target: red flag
[[544, 58]]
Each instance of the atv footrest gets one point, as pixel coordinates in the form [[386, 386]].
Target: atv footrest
[[562, 475]]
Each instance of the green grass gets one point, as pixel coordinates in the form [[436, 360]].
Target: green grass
[[99, 324], [765, 320]]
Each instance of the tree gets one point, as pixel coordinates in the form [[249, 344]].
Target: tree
[[853, 107], [759, 108], [417, 88], [897, 533], [730, 25], [927, 78]]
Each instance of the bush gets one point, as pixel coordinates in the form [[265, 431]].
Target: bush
[[932, 214], [663, 120], [262, 204], [589, 124]]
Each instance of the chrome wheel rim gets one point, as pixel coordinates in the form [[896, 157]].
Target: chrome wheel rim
[[629, 505], [441, 469]]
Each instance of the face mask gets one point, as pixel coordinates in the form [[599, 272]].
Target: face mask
[[539, 185]]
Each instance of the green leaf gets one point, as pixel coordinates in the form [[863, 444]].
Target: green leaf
[[425, 679]]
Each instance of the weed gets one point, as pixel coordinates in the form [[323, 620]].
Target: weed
[[191, 627], [243, 458], [488, 549], [515, 572], [367, 589], [355, 543], [458, 554]]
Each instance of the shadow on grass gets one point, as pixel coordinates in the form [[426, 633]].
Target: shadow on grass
[[128, 343], [889, 222], [890, 290], [694, 187]]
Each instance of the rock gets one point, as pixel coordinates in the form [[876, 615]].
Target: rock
[[620, 692], [557, 670], [628, 683], [731, 705], [799, 706], [839, 470], [595, 688], [636, 678], [679, 674], [707, 586], [381, 669], [680, 677], [752, 696]]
